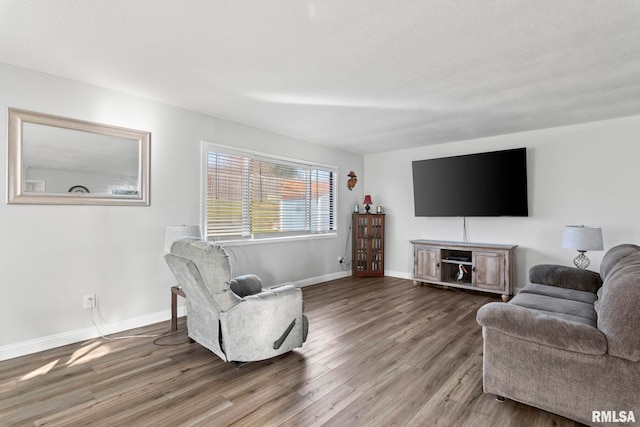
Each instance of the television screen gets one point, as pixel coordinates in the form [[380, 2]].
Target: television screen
[[485, 184]]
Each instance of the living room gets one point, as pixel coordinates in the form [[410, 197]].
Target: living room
[[579, 172]]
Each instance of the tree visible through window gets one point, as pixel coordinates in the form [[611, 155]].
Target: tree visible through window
[[252, 197]]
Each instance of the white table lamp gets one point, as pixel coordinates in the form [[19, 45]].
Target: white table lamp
[[582, 238], [175, 232]]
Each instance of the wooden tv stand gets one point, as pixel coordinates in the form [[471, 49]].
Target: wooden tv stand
[[489, 267]]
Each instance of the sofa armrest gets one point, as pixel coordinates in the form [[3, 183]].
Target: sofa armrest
[[565, 277], [542, 328]]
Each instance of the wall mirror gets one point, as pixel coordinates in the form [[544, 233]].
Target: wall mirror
[[57, 160]]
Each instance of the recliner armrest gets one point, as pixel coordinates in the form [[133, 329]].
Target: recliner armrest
[[251, 327], [542, 328], [565, 277]]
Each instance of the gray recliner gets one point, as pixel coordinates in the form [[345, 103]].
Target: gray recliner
[[235, 318]]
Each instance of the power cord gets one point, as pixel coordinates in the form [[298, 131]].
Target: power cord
[[158, 343], [104, 336], [347, 262], [465, 231]]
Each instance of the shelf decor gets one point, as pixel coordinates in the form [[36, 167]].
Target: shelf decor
[[367, 202]]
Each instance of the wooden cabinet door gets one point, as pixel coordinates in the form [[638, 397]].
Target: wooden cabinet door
[[376, 245], [426, 263], [361, 256], [489, 270]]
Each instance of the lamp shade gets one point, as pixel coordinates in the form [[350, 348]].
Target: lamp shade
[[582, 238], [175, 232], [367, 200]]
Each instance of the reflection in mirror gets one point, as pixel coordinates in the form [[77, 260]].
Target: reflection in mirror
[[55, 160], [64, 158]]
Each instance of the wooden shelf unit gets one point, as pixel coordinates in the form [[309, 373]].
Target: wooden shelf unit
[[368, 245], [489, 267]]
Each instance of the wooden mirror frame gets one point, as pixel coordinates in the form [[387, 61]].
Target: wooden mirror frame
[[15, 176]]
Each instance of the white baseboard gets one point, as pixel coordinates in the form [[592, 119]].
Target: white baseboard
[[343, 274], [52, 341], [398, 274], [322, 278]]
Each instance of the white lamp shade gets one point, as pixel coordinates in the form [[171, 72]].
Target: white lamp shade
[[582, 238], [175, 232]]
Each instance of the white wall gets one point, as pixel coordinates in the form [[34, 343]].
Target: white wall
[[50, 256], [583, 174]]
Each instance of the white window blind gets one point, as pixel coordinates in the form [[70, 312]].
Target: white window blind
[[253, 197]]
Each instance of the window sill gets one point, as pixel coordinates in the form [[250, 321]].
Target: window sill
[[246, 242]]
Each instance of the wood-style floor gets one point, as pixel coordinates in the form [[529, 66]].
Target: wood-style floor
[[380, 352]]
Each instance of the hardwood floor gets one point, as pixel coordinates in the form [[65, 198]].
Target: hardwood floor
[[380, 352]]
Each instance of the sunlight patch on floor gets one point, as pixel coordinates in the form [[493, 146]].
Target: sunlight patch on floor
[[88, 353], [43, 370]]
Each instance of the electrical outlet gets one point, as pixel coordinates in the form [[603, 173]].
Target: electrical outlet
[[340, 259], [89, 301]]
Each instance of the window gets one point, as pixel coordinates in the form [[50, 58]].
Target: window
[[250, 196]]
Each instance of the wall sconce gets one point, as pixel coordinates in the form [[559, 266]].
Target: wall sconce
[[582, 239]]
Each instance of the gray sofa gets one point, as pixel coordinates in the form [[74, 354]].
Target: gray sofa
[[569, 342]]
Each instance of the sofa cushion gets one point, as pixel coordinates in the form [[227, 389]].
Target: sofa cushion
[[554, 291], [563, 308]]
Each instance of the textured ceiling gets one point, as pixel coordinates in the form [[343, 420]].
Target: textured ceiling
[[363, 75]]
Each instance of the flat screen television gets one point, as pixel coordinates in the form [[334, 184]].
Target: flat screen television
[[484, 184]]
